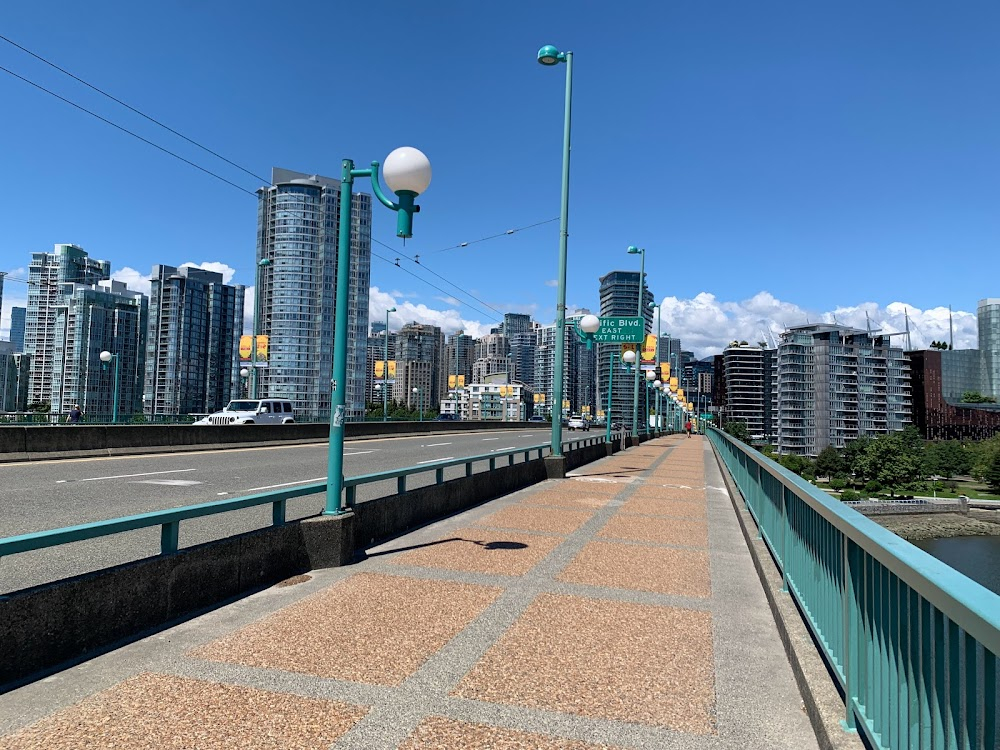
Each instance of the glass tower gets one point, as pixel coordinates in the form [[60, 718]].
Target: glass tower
[[988, 313], [620, 297], [297, 224]]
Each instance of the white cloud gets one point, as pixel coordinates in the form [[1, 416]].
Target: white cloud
[[449, 301], [706, 325], [133, 279], [552, 282], [227, 271], [408, 312]]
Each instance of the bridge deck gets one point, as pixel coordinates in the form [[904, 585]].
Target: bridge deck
[[617, 608]]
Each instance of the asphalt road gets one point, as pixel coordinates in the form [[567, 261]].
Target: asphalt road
[[53, 494]]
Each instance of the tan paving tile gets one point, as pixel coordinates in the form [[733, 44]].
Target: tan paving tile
[[660, 492], [646, 506], [532, 518], [574, 500], [159, 712], [603, 659], [505, 553], [662, 570], [438, 732], [658, 530], [369, 628]]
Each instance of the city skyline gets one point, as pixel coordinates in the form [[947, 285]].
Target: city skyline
[[720, 116]]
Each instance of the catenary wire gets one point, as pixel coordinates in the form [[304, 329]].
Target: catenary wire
[[126, 130], [494, 236], [133, 109]]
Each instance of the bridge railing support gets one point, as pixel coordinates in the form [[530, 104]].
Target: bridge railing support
[[911, 642]]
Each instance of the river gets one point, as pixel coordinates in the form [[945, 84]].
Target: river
[[978, 557]]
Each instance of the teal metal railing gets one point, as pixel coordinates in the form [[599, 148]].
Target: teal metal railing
[[911, 642], [169, 520]]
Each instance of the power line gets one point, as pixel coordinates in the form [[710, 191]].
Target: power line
[[126, 130], [133, 109], [471, 307], [494, 236], [460, 289]]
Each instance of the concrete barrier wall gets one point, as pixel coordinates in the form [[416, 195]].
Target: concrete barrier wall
[[47, 625], [32, 443]]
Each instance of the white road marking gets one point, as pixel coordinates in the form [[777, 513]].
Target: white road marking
[[286, 484], [434, 459], [168, 482], [221, 493], [491, 438], [129, 476], [434, 445], [358, 453], [508, 448]]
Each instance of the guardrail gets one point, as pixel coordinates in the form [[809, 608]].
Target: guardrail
[[911, 642], [169, 520]]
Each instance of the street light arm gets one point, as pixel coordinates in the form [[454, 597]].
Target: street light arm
[[376, 187]]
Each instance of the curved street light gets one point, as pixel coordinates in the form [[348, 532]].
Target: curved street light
[[407, 173], [549, 56], [641, 252], [106, 357]]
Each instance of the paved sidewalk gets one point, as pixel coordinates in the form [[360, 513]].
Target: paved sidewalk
[[617, 608]]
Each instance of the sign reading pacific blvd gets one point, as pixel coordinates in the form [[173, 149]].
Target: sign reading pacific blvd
[[621, 331]]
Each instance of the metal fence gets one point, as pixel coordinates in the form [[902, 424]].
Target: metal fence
[[911, 642]]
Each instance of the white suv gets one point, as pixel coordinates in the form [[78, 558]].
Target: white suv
[[576, 422], [252, 411]]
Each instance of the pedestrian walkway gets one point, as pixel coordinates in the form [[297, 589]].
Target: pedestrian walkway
[[616, 608]]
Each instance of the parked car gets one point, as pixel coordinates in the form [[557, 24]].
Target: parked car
[[252, 411], [576, 422], [537, 418], [448, 418]]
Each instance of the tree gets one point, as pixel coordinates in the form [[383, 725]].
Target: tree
[[992, 475], [829, 462], [948, 458], [795, 463], [739, 431], [891, 462], [975, 397], [854, 453]]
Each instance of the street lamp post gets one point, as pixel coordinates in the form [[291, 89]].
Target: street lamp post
[[105, 358], [385, 368], [244, 374], [407, 173], [641, 252], [630, 364], [254, 370], [420, 402], [650, 377], [549, 55], [657, 402]]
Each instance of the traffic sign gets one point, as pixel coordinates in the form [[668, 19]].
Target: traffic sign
[[621, 330]]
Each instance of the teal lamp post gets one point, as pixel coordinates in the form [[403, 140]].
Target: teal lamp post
[[641, 252], [254, 370], [657, 360], [650, 377], [549, 55], [385, 368], [407, 173], [105, 358], [630, 365], [420, 402]]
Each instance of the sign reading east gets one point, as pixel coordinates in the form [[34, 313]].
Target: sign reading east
[[621, 331]]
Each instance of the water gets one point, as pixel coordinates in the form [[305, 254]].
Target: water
[[977, 557]]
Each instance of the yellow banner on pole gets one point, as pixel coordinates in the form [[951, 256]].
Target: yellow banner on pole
[[451, 381], [461, 381], [665, 371], [392, 369], [379, 369], [648, 353], [541, 397]]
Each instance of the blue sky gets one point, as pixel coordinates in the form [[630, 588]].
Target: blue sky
[[778, 160]]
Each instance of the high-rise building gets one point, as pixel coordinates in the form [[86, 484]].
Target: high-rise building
[[192, 342], [836, 384], [48, 275], [297, 224], [419, 355], [460, 353], [17, 315], [619, 294], [988, 314], [515, 323], [522, 356], [377, 353], [579, 382], [749, 374], [88, 320], [13, 378]]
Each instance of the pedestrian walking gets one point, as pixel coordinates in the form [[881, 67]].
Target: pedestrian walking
[[75, 413], [687, 427]]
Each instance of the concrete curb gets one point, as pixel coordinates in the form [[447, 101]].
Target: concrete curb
[[823, 702]]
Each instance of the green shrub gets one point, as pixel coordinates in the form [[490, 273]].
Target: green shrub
[[873, 488], [837, 483], [850, 495]]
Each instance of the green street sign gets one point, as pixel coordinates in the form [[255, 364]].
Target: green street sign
[[621, 331]]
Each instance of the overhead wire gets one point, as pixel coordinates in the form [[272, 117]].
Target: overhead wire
[[415, 260], [126, 130], [133, 109]]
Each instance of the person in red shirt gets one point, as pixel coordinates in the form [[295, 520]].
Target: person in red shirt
[[687, 428]]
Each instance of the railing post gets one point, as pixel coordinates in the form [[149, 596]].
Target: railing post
[[851, 616], [351, 493], [439, 475], [784, 534], [510, 459], [278, 508], [468, 468], [169, 533], [401, 484], [493, 463]]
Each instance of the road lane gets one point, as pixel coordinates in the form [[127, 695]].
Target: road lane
[[52, 494]]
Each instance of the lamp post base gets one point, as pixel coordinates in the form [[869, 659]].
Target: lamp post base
[[555, 467]]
